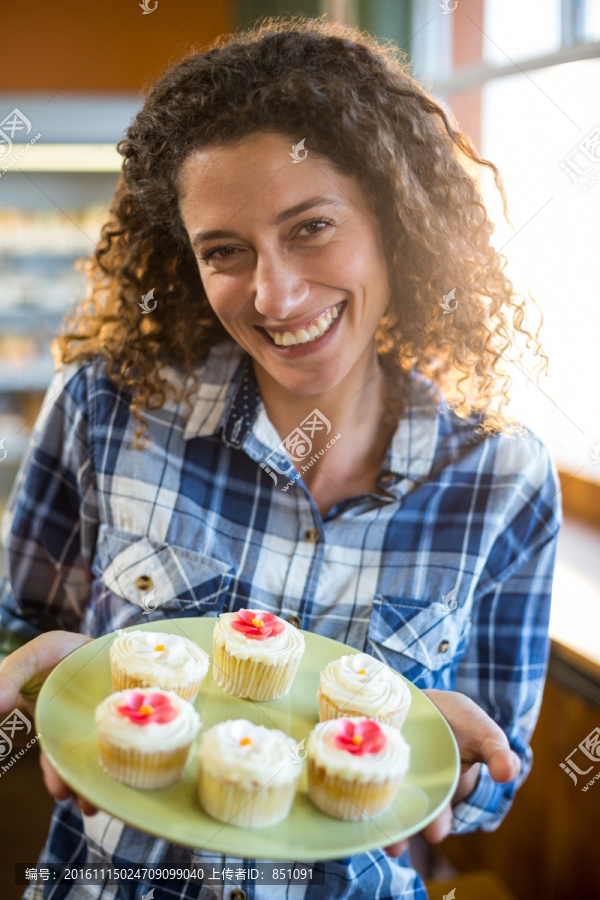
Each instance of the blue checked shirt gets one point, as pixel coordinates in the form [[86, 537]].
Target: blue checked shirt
[[445, 574]]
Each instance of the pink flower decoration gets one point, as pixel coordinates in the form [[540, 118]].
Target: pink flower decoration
[[257, 625], [144, 708], [359, 738]]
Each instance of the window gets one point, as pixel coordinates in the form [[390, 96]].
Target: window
[[523, 80]]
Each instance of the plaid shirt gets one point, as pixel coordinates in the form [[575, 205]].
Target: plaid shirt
[[445, 574]]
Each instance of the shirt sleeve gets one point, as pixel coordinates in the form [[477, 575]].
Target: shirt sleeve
[[50, 524], [504, 668]]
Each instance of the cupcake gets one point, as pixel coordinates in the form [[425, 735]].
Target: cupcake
[[155, 659], [247, 774], [360, 685], [355, 767], [255, 654], [145, 736]]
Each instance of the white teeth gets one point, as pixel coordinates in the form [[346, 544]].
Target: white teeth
[[315, 329]]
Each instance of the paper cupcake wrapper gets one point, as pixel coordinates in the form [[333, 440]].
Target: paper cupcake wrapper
[[252, 680], [123, 681], [245, 807], [350, 800], [329, 710], [142, 770]]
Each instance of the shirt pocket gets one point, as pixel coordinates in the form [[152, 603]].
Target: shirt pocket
[[419, 638], [151, 577]]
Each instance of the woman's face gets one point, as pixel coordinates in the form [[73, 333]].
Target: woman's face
[[294, 267]]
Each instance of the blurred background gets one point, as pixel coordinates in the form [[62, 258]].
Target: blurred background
[[522, 79]]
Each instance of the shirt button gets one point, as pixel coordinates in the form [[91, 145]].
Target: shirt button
[[387, 478], [144, 583], [293, 620], [237, 894], [444, 646], [312, 535]]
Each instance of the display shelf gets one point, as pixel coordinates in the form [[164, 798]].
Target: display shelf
[[55, 196], [40, 286], [69, 159], [21, 320], [32, 376], [23, 254]]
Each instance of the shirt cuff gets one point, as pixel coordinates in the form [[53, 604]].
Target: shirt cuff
[[486, 805], [14, 631]]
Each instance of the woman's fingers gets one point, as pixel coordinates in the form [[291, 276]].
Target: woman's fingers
[[397, 849], [10, 687], [61, 791], [85, 807], [54, 783], [478, 737], [503, 763], [22, 674], [24, 671], [437, 830], [480, 740]]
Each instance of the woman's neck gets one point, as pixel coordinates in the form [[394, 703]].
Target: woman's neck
[[356, 403], [351, 453]]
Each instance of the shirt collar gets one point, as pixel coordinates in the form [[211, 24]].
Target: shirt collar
[[413, 447], [219, 378], [228, 401]]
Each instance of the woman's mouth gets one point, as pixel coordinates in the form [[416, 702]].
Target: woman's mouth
[[311, 331]]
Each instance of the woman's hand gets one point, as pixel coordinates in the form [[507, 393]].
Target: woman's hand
[[479, 740], [22, 674]]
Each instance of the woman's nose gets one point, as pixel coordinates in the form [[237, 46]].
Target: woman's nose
[[280, 290]]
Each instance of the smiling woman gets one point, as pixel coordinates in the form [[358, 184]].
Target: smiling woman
[[307, 224], [286, 293], [400, 225], [302, 296]]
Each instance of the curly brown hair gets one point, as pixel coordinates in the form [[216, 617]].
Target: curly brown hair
[[355, 103]]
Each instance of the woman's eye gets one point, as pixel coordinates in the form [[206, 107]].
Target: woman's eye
[[316, 222], [211, 253]]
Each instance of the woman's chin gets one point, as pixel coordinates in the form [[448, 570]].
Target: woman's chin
[[304, 385]]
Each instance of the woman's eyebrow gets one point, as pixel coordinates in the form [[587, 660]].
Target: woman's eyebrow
[[295, 210]]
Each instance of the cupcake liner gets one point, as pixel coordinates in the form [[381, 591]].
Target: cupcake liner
[[141, 769], [122, 681], [329, 710], [251, 680], [350, 800], [246, 807]]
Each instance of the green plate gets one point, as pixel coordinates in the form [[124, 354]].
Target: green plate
[[65, 722]]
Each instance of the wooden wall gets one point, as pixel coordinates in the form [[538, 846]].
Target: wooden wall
[[467, 50], [109, 46], [547, 847], [581, 497]]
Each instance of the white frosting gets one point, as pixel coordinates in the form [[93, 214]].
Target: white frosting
[[269, 758], [119, 729], [275, 651], [182, 661], [391, 761], [377, 692]]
